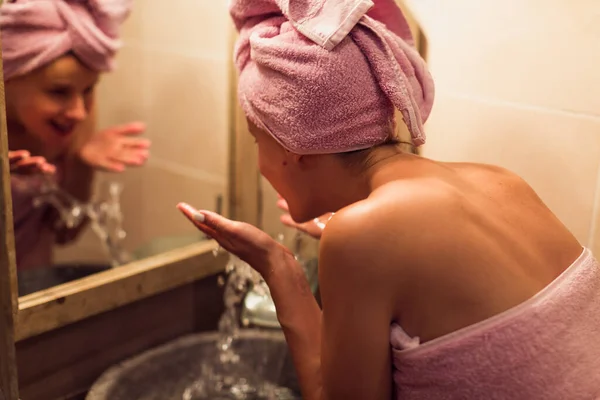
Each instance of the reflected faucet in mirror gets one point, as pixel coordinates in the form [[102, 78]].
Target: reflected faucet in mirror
[[105, 216]]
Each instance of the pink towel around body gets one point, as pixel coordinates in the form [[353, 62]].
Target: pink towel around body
[[324, 76], [547, 348], [36, 32], [33, 227]]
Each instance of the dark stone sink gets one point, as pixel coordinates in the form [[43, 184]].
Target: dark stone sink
[[36, 279], [175, 370]]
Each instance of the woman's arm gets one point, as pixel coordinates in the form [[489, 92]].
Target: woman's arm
[[78, 182], [113, 149], [343, 352], [300, 318], [77, 177]]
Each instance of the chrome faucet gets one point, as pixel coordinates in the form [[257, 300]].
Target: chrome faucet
[[106, 216]]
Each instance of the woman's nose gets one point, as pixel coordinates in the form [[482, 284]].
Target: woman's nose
[[77, 110]]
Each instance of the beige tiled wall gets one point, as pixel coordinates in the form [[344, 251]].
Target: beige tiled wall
[[174, 74], [517, 85]]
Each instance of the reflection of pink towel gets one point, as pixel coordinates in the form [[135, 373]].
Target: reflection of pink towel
[[322, 76], [36, 32], [547, 348]]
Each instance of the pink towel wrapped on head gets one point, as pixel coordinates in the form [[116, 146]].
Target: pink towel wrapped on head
[[36, 32], [324, 76]]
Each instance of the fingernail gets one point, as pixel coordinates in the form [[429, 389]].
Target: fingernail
[[198, 217]]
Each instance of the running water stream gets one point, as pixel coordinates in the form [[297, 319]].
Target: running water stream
[[227, 376]]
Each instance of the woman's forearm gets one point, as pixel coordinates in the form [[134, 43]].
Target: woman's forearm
[[300, 318], [78, 181], [78, 175]]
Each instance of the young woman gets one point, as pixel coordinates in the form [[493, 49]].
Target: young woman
[[53, 54], [438, 280]]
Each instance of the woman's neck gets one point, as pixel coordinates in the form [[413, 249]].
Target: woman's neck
[[392, 165], [20, 139], [349, 185], [384, 166]]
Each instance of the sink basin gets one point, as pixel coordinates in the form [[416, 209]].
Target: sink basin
[[178, 370]]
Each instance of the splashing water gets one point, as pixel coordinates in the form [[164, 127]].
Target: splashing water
[[227, 376], [106, 217], [240, 278]]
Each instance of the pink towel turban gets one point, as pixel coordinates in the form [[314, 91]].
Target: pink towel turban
[[324, 76], [36, 32]]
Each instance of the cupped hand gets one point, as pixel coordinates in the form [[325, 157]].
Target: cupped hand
[[313, 228], [114, 149], [246, 241], [21, 162]]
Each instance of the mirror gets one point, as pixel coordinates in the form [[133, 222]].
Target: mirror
[[179, 87]]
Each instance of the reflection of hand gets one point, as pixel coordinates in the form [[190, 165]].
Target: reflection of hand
[[116, 148], [247, 242], [313, 228], [21, 162]]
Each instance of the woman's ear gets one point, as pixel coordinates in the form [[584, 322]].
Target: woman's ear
[[293, 157], [305, 161]]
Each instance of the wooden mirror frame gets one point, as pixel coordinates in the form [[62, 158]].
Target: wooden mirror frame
[[8, 271]]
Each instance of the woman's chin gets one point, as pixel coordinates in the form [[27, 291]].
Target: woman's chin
[[57, 146], [304, 216], [54, 151]]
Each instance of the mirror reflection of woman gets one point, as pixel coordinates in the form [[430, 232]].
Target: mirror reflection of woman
[[54, 52], [438, 280]]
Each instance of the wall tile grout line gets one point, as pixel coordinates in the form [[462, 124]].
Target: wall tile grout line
[[514, 104], [595, 214]]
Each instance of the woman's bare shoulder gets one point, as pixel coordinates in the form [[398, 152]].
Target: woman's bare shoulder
[[385, 228], [355, 254], [404, 221]]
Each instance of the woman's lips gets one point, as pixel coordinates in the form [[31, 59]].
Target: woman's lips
[[62, 129]]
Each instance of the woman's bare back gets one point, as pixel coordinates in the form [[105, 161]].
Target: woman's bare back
[[458, 243]]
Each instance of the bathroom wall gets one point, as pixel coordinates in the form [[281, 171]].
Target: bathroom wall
[[517, 85], [173, 74]]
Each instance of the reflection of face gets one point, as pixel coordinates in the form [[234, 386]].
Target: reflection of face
[[50, 102]]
